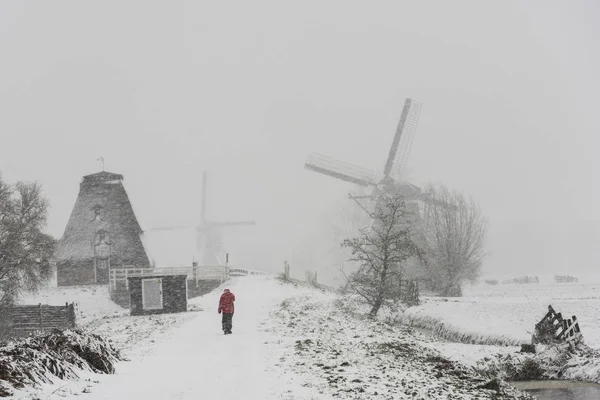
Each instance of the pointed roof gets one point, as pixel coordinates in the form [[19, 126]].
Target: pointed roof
[[102, 177], [103, 205]]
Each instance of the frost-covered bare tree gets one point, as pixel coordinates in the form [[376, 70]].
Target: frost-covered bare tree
[[381, 251], [454, 232], [25, 251]]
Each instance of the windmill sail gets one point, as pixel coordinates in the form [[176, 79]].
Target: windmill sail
[[403, 138], [169, 228], [340, 170], [233, 223]]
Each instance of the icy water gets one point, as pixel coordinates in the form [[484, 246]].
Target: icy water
[[580, 393], [560, 390]]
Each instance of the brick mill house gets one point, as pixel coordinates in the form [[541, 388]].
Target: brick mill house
[[102, 232]]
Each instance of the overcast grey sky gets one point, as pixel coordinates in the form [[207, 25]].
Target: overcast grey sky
[[163, 90]]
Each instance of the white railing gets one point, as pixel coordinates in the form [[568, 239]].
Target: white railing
[[198, 273], [238, 272], [244, 272]]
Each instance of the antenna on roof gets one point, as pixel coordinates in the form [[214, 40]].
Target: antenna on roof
[[101, 159]]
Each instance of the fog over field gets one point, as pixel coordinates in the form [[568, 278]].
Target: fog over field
[[246, 90]]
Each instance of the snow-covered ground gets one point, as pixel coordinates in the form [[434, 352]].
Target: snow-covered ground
[[181, 356], [341, 353], [506, 314], [289, 342]]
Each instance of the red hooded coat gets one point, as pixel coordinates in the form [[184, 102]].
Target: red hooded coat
[[226, 302]]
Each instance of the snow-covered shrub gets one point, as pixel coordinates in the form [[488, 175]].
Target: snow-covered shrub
[[61, 354], [5, 389], [511, 368], [555, 361]]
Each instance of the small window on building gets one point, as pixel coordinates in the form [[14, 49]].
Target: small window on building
[[101, 237], [97, 213]]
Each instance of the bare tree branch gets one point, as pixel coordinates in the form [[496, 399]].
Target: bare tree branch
[[454, 233], [25, 251], [381, 252]]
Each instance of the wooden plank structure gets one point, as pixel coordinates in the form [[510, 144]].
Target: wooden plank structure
[[24, 320], [558, 328]]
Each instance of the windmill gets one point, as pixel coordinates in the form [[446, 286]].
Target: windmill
[[393, 182], [209, 237]]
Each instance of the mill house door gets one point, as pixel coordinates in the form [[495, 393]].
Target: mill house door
[[152, 296]]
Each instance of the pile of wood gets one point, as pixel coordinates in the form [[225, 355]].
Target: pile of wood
[[31, 361], [565, 279], [522, 280]]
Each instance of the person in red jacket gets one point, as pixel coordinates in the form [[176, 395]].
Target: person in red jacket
[[226, 307]]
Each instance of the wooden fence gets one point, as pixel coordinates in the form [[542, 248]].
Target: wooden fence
[[554, 327], [27, 319]]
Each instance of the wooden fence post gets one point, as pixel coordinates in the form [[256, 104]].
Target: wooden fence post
[[71, 314], [286, 270]]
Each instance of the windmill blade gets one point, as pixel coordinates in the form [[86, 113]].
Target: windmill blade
[[340, 170], [232, 223], [203, 206], [427, 198], [169, 228], [404, 133]]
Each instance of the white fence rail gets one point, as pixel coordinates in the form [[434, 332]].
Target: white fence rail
[[199, 273], [244, 272]]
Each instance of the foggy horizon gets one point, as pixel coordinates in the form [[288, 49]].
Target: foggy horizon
[[164, 91]]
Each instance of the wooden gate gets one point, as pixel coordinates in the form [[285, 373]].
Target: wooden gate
[[554, 327]]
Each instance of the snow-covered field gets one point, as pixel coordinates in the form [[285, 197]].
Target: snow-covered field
[[289, 342], [506, 314], [294, 342]]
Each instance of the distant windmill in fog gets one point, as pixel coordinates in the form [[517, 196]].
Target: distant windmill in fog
[[209, 237], [392, 183]]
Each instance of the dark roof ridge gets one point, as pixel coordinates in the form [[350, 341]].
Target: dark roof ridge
[[102, 176]]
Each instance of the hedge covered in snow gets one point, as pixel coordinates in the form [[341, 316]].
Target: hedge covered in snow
[[449, 332], [572, 361], [41, 359]]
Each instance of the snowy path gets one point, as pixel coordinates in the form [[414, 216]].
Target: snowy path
[[198, 361]]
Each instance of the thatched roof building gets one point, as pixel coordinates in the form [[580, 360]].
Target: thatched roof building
[[102, 232]]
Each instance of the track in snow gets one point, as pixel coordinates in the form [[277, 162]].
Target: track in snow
[[198, 361]]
